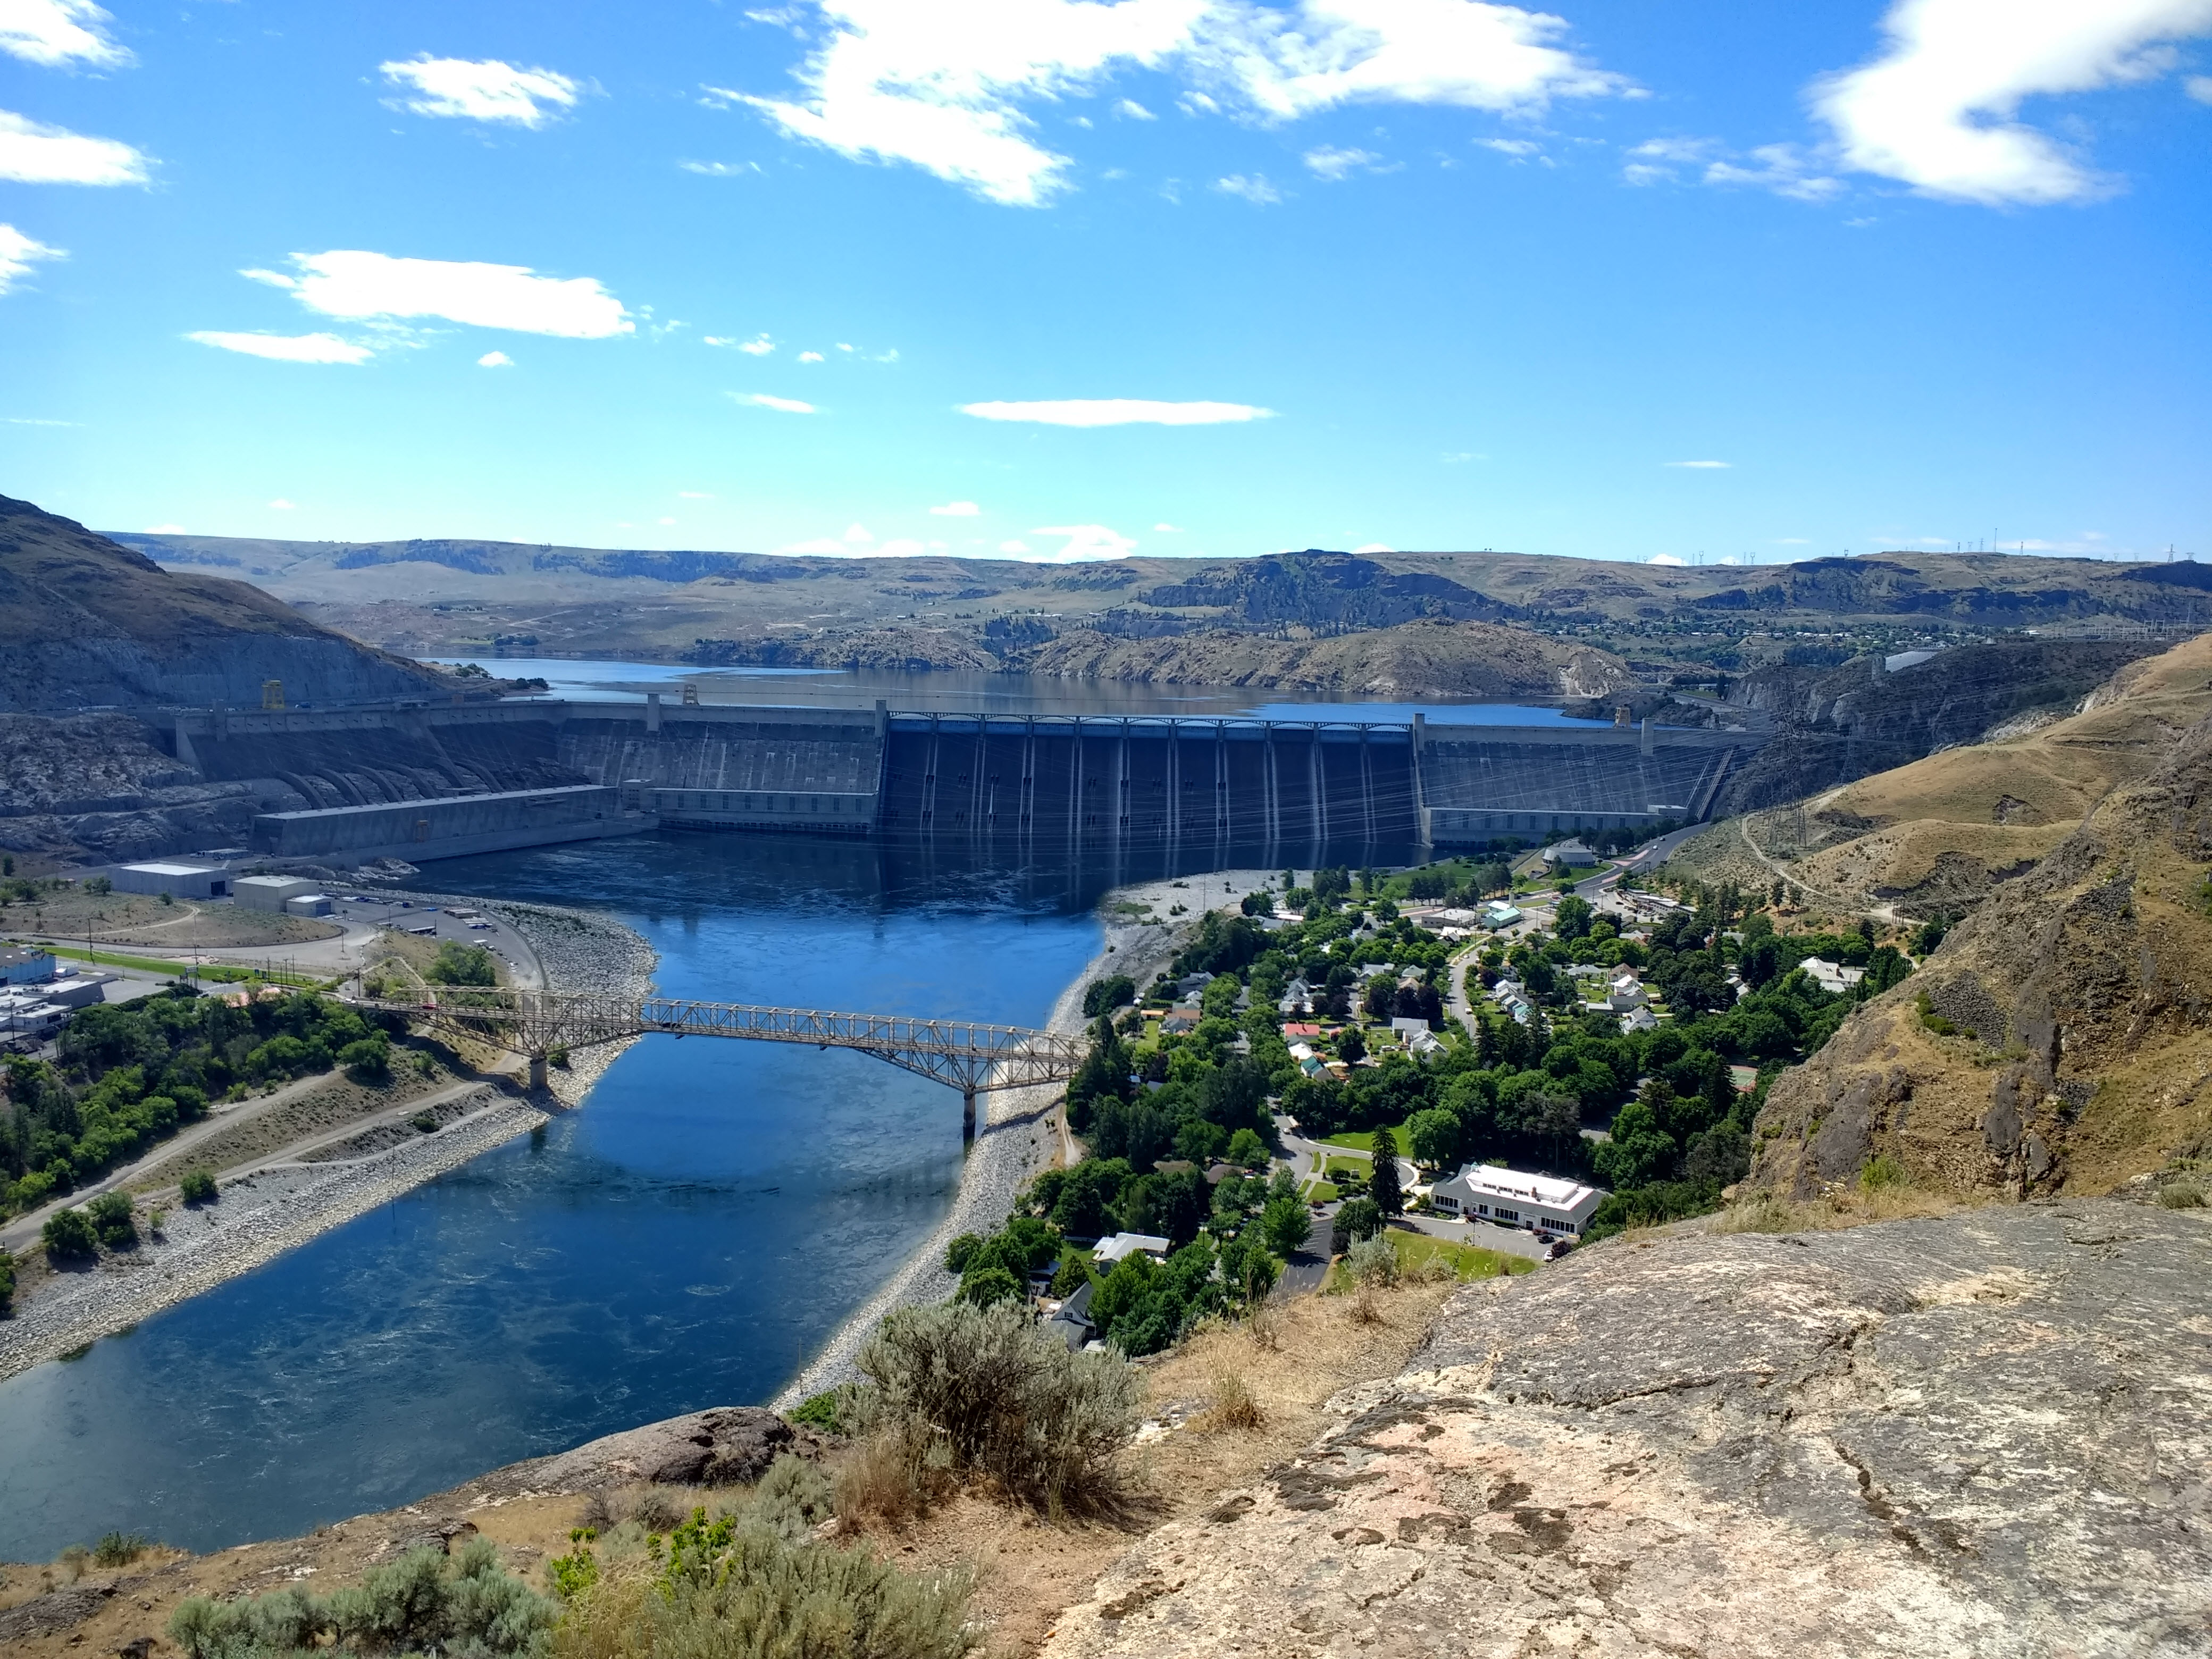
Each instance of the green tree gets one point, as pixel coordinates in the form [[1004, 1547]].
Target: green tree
[[367, 1059], [198, 1187], [1246, 1149], [1285, 1224], [461, 964], [989, 1285], [111, 1220], [1435, 1137], [68, 1236], [1574, 918], [1383, 1186], [1639, 1152], [1351, 1046], [7, 1282], [961, 1251], [1356, 1218]]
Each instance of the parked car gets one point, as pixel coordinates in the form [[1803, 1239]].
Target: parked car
[[1558, 1248]]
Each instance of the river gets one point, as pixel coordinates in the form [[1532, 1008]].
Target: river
[[689, 1238]]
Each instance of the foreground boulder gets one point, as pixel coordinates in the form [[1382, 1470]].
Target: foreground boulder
[[1987, 1434], [723, 1446]]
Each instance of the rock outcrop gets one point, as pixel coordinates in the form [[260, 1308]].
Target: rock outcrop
[[1981, 1435], [722, 1446]]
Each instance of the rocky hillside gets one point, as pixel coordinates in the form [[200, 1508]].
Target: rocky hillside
[[1836, 725], [1978, 1436], [2059, 1040], [1932, 836], [1413, 659], [84, 622]]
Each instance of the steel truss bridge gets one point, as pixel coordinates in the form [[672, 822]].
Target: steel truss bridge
[[972, 1058]]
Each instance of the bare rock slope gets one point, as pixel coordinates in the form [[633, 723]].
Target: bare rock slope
[[1981, 1435]]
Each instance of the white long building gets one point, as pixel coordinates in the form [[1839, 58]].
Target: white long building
[[1483, 1192]]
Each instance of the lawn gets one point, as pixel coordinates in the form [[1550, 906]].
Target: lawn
[[1363, 1141], [224, 973], [1467, 1260]]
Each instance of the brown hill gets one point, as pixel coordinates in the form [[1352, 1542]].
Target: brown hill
[[1933, 834], [85, 622], [2059, 1038], [1413, 659]]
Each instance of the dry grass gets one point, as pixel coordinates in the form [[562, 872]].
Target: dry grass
[[1233, 1406], [1846, 1206]]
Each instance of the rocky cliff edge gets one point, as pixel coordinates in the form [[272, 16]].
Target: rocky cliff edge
[[1987, 1434]]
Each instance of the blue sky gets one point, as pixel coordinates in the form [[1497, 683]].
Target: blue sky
[[1071, 279]]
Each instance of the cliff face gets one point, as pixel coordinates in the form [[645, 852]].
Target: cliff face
[[1977, 1436], [86, 622], [2064, 1042], [1843, 723], [1414, 660]]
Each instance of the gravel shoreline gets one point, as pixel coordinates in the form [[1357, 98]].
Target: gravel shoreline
[[1020, 1134], [279, 1207]]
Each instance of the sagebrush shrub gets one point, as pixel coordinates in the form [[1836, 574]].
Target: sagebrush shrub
[[1004, 1400]]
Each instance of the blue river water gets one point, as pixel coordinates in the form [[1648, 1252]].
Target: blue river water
[[689, 1238]]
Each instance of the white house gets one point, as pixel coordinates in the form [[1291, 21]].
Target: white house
[[1638, 1019], [1297, 997], [1570, 854], [1113, 1249], [1481, 1192], [1831, 976], [1624, 994]]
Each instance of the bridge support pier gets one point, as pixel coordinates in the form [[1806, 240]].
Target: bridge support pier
[[537, 1071], [967, 1117]]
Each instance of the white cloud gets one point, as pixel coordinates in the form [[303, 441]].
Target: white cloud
[[1461, 456], [1255, 189], [858, 534], [1935, 109], [487, 91], [693, 495], [1331, 163], [1374, 547], [666, 521], [17, 252], [1130, 109], [1516, 148], [34, 420], [809, 357], [280, 505], [763, 400], [164, 530], [1167, 529], [288, 347], [54, 33], [2199, 86], [719, 169], [1783, 168], [823, 547], [842, 346], [494, 360], [1019, 548], [1084, 542], [944, 84], [957, 510], [1116, 411], [759, 346], [901, 547], [1701, 466], [348, 283], [1664, 558], [32, 152], [1791, 541]]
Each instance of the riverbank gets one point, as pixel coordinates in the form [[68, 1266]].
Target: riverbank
[[1022, 1134], [286, 1197]]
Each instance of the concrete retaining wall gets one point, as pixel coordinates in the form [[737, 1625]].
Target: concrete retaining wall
[[450, 828]]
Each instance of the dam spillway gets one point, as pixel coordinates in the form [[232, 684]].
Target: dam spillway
[[1026, 786]]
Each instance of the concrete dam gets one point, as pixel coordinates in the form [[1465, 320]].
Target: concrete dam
[[431, 781]]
